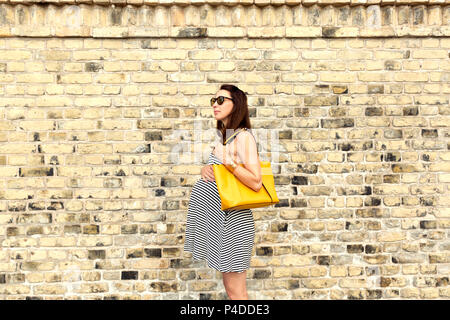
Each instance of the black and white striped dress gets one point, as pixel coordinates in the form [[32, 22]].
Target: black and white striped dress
[[224, 238]]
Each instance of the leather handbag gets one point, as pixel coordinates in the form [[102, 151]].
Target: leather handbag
[[235, 195]]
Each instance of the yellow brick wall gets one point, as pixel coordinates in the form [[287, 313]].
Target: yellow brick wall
[[100, 109]]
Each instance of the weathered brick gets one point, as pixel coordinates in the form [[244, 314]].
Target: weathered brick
[[92, 111]]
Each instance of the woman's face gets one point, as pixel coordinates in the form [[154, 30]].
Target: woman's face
[[221, 112]]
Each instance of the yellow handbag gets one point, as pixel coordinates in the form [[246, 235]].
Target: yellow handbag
[[235, 195]]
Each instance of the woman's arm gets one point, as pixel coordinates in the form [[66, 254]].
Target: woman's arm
[[244, 146]]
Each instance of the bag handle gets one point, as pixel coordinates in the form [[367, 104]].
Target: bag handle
[[242, 129]]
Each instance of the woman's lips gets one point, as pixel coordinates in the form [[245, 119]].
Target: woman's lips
[[216, 112]]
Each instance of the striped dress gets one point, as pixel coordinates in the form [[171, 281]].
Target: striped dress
[[224, 238]]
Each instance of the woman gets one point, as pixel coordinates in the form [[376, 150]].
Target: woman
[[225, 238]]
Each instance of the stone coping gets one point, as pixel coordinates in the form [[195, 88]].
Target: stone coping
[[97, 21], [236, 2]]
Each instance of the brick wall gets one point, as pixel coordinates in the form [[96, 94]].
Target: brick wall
[[101, 103]]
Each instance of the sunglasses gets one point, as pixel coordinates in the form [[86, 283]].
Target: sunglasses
[[219, 99]]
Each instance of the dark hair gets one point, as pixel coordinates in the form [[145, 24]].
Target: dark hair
[[239, 116]]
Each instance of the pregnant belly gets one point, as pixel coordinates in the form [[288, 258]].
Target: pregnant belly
[[202, 186]]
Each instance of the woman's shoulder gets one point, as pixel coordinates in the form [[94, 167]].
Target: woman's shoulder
[[246, 142], [247, 148], [244, 135]]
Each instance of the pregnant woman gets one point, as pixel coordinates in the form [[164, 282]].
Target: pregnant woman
[[225, 238]]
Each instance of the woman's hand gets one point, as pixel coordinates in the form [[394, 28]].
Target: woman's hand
[[207, 173]]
